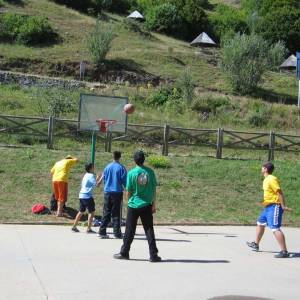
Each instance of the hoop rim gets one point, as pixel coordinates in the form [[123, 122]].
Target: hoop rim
[[104, 124]]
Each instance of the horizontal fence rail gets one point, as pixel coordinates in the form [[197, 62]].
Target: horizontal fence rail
[[166, 136]]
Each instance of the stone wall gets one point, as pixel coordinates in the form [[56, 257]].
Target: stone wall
[[7, 77]]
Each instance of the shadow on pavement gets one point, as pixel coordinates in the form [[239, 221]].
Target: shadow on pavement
[[197, 261], [292, 254], [203, 233], [188, 261], [237, 297], [165, 240]]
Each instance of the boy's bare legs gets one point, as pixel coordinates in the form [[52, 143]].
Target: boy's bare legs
[[90, 220], [260, 230], [280, 239], [77, 219], [60, 208]]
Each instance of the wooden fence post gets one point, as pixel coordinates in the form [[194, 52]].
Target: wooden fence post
[[50, 132], [165, 148], [219, 143], [271, 155]]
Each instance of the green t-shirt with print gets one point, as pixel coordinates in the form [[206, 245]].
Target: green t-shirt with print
[[141, 183]]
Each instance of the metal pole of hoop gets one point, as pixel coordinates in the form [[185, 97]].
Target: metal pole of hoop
[[93, 147]]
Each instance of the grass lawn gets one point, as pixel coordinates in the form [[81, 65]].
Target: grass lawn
[[196, 188]]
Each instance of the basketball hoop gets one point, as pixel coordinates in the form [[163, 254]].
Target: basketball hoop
[[105, 125]]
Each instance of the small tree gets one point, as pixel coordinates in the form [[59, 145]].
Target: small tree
[[245, 58], [276, 53], [228, 19], [99, 43], [186, 85], [164, 18]]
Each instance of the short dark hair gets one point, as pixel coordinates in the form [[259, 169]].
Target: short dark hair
[[139, 157], [88, 166], [269, 166], [116, 155]]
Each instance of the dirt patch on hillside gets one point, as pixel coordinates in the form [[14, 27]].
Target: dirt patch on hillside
[[118, 71]]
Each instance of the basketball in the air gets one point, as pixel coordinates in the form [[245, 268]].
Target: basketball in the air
[[129, 108]]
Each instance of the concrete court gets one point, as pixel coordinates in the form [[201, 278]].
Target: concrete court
[[199, 262]]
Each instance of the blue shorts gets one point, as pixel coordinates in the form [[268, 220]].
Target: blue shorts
[[271, 216], [88, 204]]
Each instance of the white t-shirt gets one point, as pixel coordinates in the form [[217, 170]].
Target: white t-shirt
[[87, 185]]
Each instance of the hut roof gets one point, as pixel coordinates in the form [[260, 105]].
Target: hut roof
[[289, 63], [135, 15], [203, 39]]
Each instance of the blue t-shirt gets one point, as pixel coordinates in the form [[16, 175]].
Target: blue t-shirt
[[87, 185], [114, 176]]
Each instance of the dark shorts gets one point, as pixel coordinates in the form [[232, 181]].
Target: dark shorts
[[88, 204]]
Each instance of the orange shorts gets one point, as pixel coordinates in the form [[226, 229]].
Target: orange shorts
[[60, 189]]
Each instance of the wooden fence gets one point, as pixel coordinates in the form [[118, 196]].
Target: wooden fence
[[165, 136]]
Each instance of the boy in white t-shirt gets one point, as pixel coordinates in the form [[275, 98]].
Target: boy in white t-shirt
[[86, 200]]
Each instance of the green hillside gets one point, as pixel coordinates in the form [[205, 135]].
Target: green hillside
[[158, 55]]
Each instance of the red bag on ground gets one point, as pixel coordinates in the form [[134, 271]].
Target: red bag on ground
[[38, 208]]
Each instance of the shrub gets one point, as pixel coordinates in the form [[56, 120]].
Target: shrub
[[99, 43], [165, 95], [276, 53], [1, 3], [244, 60], [228, 19], [10, 24], [276, 20], [118, 6], [282, 24], [27, 30], [186, 85], [159, 161], [210, 104], [146, 5], [164, 18], [160, 97], [194, 16], [258, 118], [35, 30], [81, 5]]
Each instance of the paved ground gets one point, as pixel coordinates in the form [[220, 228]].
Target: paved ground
[[51, 262]]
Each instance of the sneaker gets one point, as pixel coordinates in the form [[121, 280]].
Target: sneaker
[[253, 245], [90, 231], [121, 256], [155, 258], [103, 236], [75, 229], [282, 254]]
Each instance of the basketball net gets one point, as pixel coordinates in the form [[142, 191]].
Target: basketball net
[[105, 125]]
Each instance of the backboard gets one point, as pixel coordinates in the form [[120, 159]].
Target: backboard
[[93, 108]]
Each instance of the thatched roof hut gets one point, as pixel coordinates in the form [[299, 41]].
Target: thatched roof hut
[[203, 40]]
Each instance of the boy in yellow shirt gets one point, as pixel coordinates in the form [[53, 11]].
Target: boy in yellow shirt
[[60, 176], [274, 206]]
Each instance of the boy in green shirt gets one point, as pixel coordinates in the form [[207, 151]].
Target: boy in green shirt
[[141, 192]]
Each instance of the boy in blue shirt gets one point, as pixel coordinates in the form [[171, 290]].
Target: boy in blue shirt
[[114, 177], [86, 200]]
